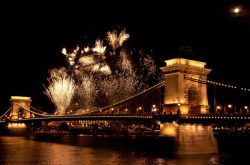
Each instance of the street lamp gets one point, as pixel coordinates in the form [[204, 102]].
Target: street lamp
[[230, 108], [178, 111], [154, 108], [239, 11], [236, 10], [218, 108], [246, 108]]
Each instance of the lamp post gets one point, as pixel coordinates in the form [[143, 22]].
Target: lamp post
[[246, 108], [218, 109], [229, 107], [178, 111]]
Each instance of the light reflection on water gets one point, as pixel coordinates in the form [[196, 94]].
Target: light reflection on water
[[186, 144], [97, 151]]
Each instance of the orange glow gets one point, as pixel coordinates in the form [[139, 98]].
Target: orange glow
[[218, 107], [184, 110], [169, 129], [182, 61], [236, 10], [16, 125], [20, 98], [99, 48]]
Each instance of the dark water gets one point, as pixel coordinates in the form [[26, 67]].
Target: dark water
[[101, 150]]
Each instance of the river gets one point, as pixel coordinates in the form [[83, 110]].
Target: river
[[102, 150], [117, 150]]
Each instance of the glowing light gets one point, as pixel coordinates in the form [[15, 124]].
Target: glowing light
[[86, 60], [16, 125], [125, 62], [86, 49], [106, 73], [64, 51], [20, 98], [229, 106], [86, 91], [181, 61], [116, 40], [96, 67], [169, 129], [112, 39], [105, 69], [236, 10], [123, 36], [60, 91], [218, 107], [99, 48]]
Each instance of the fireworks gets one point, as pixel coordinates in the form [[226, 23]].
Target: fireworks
[[125, 61], [104, 74], [123, 36], [86, 60], [116, 40], [99, 48], [60, 91], [86, 92]]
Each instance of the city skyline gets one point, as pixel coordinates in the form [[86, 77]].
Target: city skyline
[[33, 38]]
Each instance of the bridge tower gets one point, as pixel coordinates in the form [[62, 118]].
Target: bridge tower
[[182, 93], [16, 103]]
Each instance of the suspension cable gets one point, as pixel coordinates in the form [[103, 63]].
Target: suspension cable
[[147, 90], [216, 83], [32, 111], [5, 113]]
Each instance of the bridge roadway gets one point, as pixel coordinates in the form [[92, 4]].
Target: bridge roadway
[[203, 119], [87, 117]]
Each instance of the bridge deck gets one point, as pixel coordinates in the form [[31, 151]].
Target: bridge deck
[[208, 118], [87, 117]]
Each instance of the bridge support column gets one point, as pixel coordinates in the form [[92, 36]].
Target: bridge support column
[[17, 103], [185, 86]]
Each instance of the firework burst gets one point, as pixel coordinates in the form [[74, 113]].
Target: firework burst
[[100, 75], [99, 48], [60, 91], [116, 40]]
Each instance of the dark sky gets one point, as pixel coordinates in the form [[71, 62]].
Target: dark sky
[[33, 34]]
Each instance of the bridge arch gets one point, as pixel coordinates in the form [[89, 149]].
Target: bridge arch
[[193, 100], [18, 103], [182, 93]]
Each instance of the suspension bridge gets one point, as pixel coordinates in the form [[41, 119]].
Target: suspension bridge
[[182, 96]]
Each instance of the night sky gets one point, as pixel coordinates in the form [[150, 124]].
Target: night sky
[[33, 34]]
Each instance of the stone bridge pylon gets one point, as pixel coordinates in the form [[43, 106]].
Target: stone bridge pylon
[[17, 105], [188, 96]]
